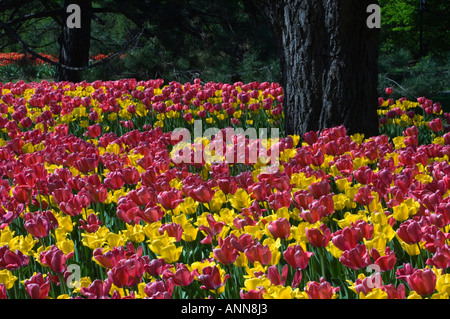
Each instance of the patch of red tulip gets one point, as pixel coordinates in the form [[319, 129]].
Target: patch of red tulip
[[89, 180]]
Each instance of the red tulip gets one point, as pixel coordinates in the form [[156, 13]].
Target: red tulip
[[227, 252], [37, 287], [435, 125], [252, 294], [55, 259], [274, 275], [182, 276], [345, 239], [296, 257], [227, 185], [394, 293], [170, 199], [62, 194], [280, 199], [173, 230], [280, 228], [441, 258], [364, 230], [410, 232], [364, 175], [151, 214], [364, 196], [310, 137], [92, 225], [202, 193], [356, 258], [130, 175], [389, 90], [259, 253], [127, 272], [320, 290], [386, 262], [211, 278], [302, 199], [259, 191], [159, 289], [114, 180], [95, 130], [213, 229], [22, 193], [12, 260], [422, 281], [97, 289], [39, 224], [3, 293], [320, 188], [319, 237], [156, 267]]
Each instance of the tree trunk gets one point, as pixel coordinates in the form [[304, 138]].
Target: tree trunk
[[74, 43], [328, 62]]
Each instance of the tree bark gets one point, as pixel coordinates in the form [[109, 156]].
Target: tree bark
[[74, 43], [328, 59]]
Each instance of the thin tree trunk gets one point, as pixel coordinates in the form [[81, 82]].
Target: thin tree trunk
[[329, 64], [75, 43]]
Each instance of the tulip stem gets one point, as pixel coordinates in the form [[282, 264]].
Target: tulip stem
[[322, 262]]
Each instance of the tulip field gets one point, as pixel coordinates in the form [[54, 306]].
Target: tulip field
[[93, 204]]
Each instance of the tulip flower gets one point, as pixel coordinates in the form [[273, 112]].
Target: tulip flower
[[422, 281], [441, 258], [318, 237], [55, 259], [92, 225], [356, 258], [279, 228], [173, 230], [435, 125], [40, 224], [394, 293], [37, 287], [410, 232], [156, 267], [159, 289], [3, 294], [259, 253], [170, 199], [321, 290], [12, 260], [386, 262], [97, 289], [227, 252], [296, 257], [274, 275], [182, 276], [127, 272], [345, 239], [211, 278], [252, 294]]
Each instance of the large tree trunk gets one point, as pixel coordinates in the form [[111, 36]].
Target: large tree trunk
[[75, 43], [329, 63]]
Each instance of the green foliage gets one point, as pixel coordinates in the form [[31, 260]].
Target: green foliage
[[427, 77], [401, 26]]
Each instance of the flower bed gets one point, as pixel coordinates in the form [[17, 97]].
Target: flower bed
[[93, 204]]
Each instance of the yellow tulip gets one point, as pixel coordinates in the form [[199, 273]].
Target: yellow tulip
[[135, 233], [241, 199], [7, 278], [375, 293]]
